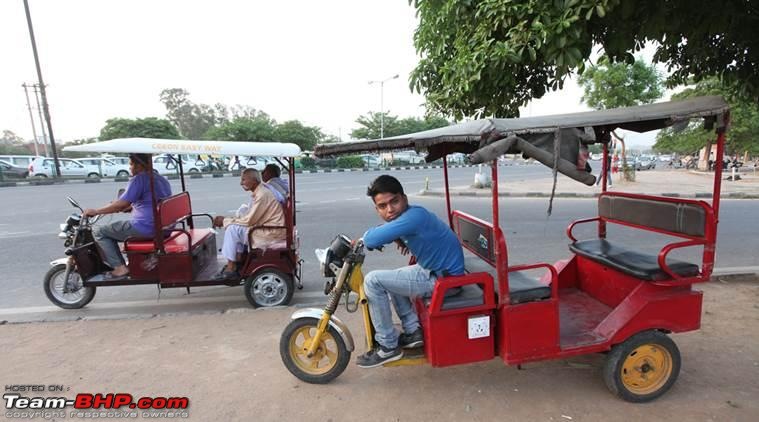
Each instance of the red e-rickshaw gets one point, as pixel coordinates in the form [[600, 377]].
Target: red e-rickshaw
[[604, 298], [179, 254]]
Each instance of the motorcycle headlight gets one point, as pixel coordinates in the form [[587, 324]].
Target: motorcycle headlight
[[63, 235], [73, 220], [63, 226]]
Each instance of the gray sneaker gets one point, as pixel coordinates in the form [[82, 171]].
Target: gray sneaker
[[411, 341], [379, 356]]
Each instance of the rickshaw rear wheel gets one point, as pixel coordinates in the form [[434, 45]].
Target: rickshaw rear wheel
[[643, 367], [269, 287], [53, 286], [329, 361]]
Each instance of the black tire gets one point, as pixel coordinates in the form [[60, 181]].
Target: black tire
[[93, 176], [293, 353], [122, 173], [78, 298], [41, 176], [627, 364], [269, 287], [193, 170]]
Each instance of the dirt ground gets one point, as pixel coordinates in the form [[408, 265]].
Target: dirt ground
[[228, 365]]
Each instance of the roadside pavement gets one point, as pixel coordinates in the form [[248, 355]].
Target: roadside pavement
[[673, 183], [228, 366]]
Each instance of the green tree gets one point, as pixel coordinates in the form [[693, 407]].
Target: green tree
[[306, 137], [149, 127], [12, 144], [612, 85], [248, 129], [394, 126], [192, 120], [744, 122], [493, 56]]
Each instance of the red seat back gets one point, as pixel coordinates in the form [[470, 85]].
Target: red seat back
[[174, 208]]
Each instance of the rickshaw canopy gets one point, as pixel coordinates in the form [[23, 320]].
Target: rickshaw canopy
[[466, 137], [183, 146], [541, 137]]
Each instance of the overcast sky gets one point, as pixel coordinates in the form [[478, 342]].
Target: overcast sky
[[305, 60]]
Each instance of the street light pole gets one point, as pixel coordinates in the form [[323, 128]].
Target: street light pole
[[382, 102], [31, 117], [42, 90]]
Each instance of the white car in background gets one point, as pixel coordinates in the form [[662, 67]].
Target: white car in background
[[258, 163], [42, 167], [165, 165], [104, 167]]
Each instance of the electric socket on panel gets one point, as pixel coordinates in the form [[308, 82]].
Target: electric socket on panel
[[479, 326]]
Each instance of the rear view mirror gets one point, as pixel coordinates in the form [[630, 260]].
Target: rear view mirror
[[120, 192], [74, 203]]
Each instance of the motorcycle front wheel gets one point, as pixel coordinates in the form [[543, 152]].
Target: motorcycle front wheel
[[77, 295], [326, 364]]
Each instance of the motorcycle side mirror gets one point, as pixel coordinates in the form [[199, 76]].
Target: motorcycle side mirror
[[120, 192], [74, 203]]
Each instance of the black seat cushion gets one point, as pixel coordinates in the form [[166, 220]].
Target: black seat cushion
[[467, 296], [522, 288], [639, 265]]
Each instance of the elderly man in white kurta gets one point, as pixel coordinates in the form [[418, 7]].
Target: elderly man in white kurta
[[263, 210]]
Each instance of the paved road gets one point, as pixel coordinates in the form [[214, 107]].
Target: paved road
[[329, 203]]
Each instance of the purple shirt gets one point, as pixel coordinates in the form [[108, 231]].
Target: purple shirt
[[137, 193]]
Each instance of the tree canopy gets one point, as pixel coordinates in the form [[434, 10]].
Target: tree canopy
[[744, 122], [492, 56], [612, 85], [370, 125], [149, 127], [191, 119]]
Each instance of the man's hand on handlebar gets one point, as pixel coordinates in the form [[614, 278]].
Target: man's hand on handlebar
[[90, 212]]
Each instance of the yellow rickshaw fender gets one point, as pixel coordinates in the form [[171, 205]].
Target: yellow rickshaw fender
[[334, 322]]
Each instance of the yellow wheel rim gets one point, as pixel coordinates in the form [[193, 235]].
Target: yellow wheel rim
[[322, 361], [646, 369]]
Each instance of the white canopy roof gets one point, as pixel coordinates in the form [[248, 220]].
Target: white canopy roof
[[183, 146]]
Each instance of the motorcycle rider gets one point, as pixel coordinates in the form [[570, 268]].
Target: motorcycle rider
[[137, 196], [437, 251]]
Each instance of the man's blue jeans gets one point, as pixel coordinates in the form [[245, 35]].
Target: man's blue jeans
[[108, 236], [401, 286]]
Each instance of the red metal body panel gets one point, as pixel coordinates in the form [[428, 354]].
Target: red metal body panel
[[446, 340], [527, 329]]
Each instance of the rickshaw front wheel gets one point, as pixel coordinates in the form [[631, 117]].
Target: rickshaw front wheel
[[643, 367], [329, 361], [73, 296]]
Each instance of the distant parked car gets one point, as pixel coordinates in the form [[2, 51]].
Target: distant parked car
[[596, 156], [258, 163], [18, 160], [104, 167], [123, 161], [13, 172], [370, 160], [42, 167], [164, 164], [665, 158], [632, 162], [647, 162]]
